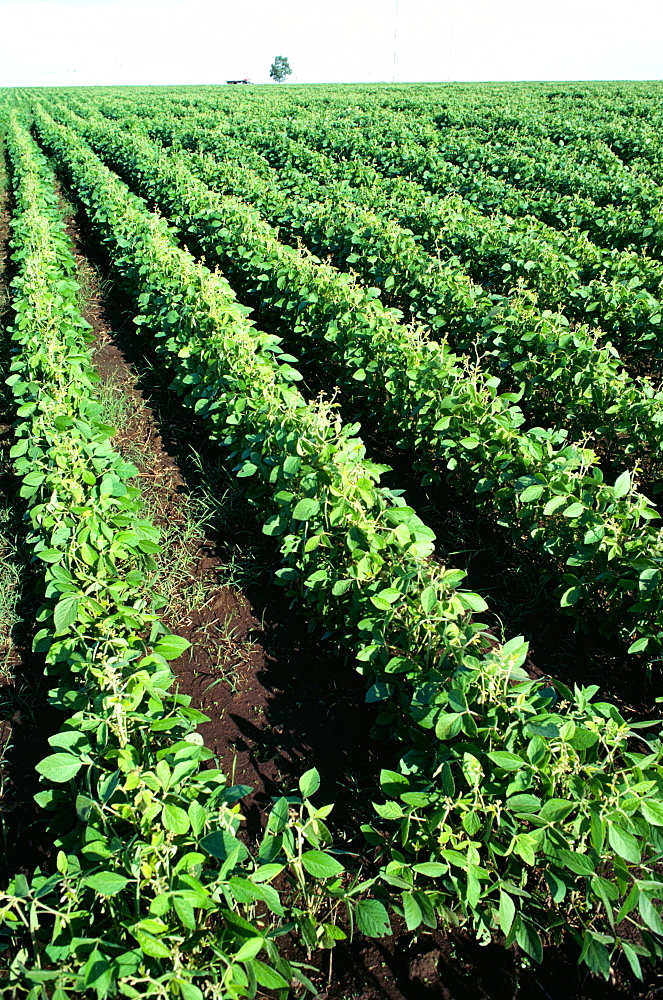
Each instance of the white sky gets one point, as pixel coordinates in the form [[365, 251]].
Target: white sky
[[87, 42]]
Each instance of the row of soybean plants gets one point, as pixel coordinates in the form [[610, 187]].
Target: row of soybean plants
[[429, 267], [152, 890], [626, 120], [453, 155], [586, 168], [396, 148], [600, 538], [512, 808], [629, 125], [567, 272], [617, 289]]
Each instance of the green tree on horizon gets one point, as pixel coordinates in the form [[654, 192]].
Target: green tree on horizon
[[279, 69]]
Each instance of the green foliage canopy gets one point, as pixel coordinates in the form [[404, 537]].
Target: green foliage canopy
[[279, 69]]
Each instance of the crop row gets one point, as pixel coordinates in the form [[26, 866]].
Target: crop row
[[608, 224], [512, 336], [357, 558], [598, 536], [151, 885], [448, 160], [618, 290]]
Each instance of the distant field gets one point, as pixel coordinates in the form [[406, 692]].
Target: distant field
[[416, 333]]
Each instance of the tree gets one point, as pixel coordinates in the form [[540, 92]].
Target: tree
[[279, 69]]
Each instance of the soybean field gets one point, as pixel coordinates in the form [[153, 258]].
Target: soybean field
[[331, 609]]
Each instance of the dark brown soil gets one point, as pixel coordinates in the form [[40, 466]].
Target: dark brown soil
[[452, 966]]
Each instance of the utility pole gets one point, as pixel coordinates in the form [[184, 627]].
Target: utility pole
[[393, 75]]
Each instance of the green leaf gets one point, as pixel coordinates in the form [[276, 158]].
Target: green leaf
[[648, 580], [448, 725], [507, 912], [525, 846], [650, 914], [556, 810], [553, 505], [171, 646], [268, 977], [59, 767], [632, 958], [309, 783], [197, 817], [107, 883], [411, 911], [472, 601], [378, 692], [546, 730], [570, 597], [265, 873], [529, 940], [583, 738], [607, 892], [250, 949], [523, 803], [428, 600], [595, 954], [96, 972], [392, 782], [305, 509], [507, 761], [175, 819], [372, 918], [151, 945], [516, 650], [624, 844], [50, 555], [652, 810], [557, 887], [190, 991], [65, 613], [321, 865], [433, 869], [221, 844], [531, 493], [622, 485], [471, 822], [274, 525], [473, 886], [579, 864], [389, 810], [385, 598], [185, 912], [148, 546], [248, 469]]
